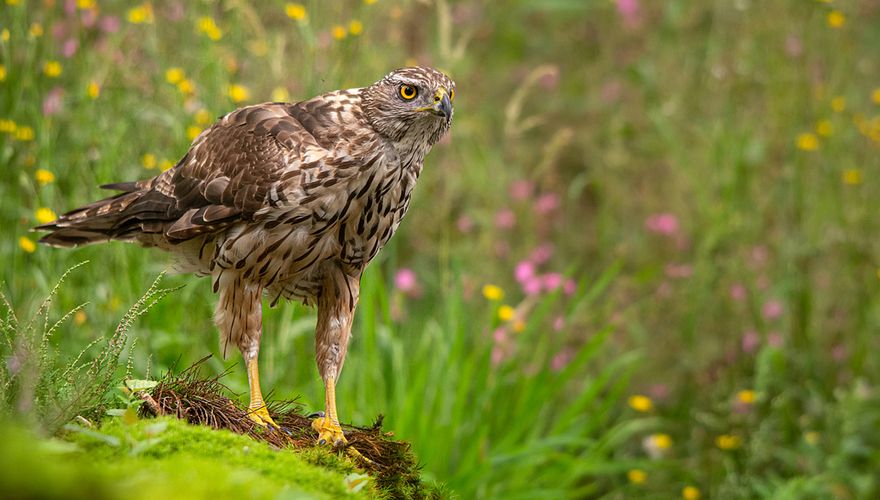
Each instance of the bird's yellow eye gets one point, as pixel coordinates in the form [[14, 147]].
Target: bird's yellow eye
[[408, 92], [452, 95]]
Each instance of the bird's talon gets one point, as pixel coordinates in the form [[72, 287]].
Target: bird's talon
[[260, 416], [317, 414]]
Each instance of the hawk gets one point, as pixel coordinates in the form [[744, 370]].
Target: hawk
[[290, 200]]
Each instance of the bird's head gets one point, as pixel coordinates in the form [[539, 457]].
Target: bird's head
[[411, 105]]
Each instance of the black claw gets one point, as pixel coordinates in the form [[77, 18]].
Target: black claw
[[322, 442], [317, 414]]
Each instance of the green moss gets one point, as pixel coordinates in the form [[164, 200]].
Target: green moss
[[163, 458]]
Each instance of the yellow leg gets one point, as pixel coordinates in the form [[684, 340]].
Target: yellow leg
[[257, 408], [329, 430]]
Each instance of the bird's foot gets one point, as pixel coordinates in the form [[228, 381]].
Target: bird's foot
[[260, 416], [330, 432]]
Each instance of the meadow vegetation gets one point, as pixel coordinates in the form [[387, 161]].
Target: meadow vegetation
[[644, 263]]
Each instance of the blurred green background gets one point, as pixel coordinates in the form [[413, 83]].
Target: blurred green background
[[644, 263]]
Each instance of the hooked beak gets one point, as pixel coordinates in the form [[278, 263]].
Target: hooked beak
[[442, 105]]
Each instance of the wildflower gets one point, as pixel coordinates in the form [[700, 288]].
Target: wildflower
[[524, 271], [165, 165], [142, 14], [772, 309], [24, 134], [79, 318], [552, 281], [148, 161], [280, 94], [8, 126], [93, 90], [546, 203], [665, 224], [85, 4], [2, 72], [505, 219], [69, 48], [838, 104], [36, 30], [521, 190], [519, 325], [542, 253], [746, 396], [13, 2], [875, 96], [836, 19], [533, 286], [238, 93], [45, 215], [629, 11], [750, 341], [203, 117], [661, 441], [493, 292], [807, 142], [186, 86], [4, 35], [728, 441], [209, 27], [506, 312], [192, 132], [405, 280], [295, 11], [174, 75], [636, 476], [369, 2], [640, 403], [561, 359], [811, 437], [43, 177], [690, 493], [53, 101], [824, 128], [355, 27], [52, 69], [852, 176], [338, 32], [27, 244]]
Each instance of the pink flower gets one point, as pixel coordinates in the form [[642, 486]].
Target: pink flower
[[552, 281], [542, 254], [89, 18], [679, 271], [546, 203], [532, 286], [772, 309], [69, 47], [499, 335], [109, 24], [569, 287], [561, 359], [464, 224], [750, 341], [663, 223], [53, 102], [521, 190], [524, 271], [550, 79], [497, 355], [774, 339], [505, 219], [737, 292], [558, 323], [405, 280], [630, 12]]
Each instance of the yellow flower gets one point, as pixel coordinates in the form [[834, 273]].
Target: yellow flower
[[4, 35], [746, 397], [148, 161], [142, 14], [838, 104], [186, 86], [45, 215], [174, 75], [204, 117], [811, 437], [636, 476], [875, 96], [13, 2], [295, 11], [52, 69], [93, 90], [639, 402], [36, 30], [193, 131], [661, 441], [493, 292], [824, 128], [506, 313], [808, 141], [209, 27], [2, 72], [8, 126], [728, 442], [355, 27], [165, 165], [852, 176], [519, 325], [239, 93], [27, 244], [85, 4], [690, 493], [43, 176], [280, 94], [24, 134], [836, 19], [338, 32], [79, 318], [369, 2]]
